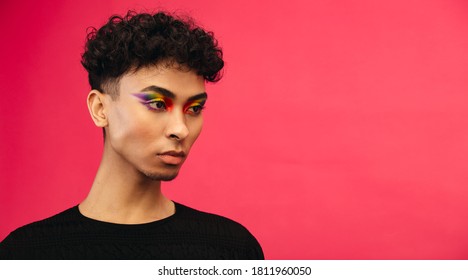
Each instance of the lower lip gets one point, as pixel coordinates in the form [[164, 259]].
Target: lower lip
[[172, 160]]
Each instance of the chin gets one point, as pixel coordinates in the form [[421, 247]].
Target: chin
[[167, 176]]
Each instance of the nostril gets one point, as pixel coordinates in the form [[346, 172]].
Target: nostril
[[173, 136]]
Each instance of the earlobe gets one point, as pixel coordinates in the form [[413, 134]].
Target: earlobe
[[97, 108]]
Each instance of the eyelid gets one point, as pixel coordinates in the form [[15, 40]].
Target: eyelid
[[194, 103], [200, 102], [158, 99], [149, 96]]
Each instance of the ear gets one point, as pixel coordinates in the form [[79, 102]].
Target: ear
[[97, 109]]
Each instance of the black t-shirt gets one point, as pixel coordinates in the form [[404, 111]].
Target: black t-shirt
[[188, 234]]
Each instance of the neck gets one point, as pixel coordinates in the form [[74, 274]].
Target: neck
[[120, 194]]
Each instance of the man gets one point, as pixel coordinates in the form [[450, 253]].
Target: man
[[147, 74]]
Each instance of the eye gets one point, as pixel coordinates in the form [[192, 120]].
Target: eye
[[195, 110], [156, 105]]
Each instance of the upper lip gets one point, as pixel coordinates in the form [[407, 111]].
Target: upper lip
[[173, 153]]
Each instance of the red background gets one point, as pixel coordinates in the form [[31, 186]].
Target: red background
[[338, 132]]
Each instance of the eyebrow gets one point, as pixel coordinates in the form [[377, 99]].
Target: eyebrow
[[170, 94], [202, 95]]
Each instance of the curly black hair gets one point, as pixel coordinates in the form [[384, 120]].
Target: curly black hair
[[139, 40]]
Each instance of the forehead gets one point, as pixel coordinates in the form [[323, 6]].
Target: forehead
[[180, 81]]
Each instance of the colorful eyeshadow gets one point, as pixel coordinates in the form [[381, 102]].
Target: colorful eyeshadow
[[151, 100], [195, 103], [147, 99]]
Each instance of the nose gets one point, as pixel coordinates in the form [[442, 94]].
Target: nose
[[176, 127]]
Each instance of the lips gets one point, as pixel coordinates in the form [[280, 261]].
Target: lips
[[172, 157]]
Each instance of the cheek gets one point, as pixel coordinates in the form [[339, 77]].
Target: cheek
[[195, 127], [129, 128]]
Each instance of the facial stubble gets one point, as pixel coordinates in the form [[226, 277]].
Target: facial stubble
[[161, 176]]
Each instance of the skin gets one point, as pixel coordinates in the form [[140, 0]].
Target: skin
[[127, 186]]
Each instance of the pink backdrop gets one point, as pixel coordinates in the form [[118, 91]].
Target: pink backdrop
[[340, 130]]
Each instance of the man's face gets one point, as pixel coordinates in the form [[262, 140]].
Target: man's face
[[155, 120]]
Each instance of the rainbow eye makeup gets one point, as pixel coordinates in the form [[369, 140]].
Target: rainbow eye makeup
[[154, 101], [160, 100], [195, 107]]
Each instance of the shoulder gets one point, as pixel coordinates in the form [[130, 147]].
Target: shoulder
[[208, 220], [219, 229], [36, 233], [61, 219]]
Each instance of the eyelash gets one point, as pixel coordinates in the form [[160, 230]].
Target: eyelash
[[152, 108], [201, 108]]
